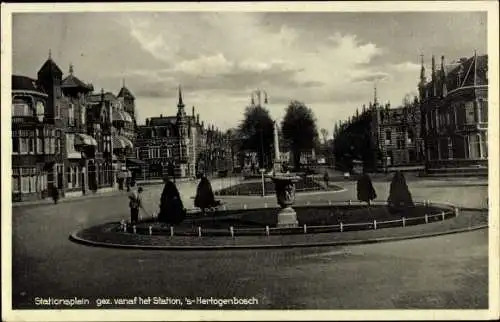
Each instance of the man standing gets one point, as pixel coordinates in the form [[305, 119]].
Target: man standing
[[135, 203]]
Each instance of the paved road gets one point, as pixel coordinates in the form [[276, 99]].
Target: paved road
[[440, 272]]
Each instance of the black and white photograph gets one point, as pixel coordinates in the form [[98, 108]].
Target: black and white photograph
[[250, 161]]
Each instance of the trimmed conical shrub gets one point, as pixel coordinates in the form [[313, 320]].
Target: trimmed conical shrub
[[365, 189], [399, 195], [204, 195]]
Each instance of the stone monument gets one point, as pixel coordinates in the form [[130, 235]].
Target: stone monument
[[285, 189]]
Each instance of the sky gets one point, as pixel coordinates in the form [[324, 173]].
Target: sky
[[331, 61]]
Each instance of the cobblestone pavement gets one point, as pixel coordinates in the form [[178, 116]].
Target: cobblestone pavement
[[440, 272]]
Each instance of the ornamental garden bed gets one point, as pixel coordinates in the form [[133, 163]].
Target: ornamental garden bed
[[254, 188]]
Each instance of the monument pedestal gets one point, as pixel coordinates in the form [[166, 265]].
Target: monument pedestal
[[285, 194], [287, 217]]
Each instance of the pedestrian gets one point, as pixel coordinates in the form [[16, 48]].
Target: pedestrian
[[326, 178], [55, 194], [135, 202]]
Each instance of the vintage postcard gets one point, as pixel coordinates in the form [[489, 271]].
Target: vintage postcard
[[250, 161]]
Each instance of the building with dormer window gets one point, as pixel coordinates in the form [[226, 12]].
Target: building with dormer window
[[454, 105]]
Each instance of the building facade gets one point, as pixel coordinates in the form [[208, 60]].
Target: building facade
[[180, 145], [65, 136], [398, 134], [454, 106], [37, 152]]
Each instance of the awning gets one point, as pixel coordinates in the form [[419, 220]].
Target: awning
[[121, 142], [84, 139]]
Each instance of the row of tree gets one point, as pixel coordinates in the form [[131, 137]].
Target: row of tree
[[256, 132]]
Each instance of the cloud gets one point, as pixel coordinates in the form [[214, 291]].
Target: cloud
[[330, 61]]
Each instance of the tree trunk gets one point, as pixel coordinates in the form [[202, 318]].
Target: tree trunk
[[296, 159]]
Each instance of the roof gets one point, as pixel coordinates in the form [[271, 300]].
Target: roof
[[125, 92], [162, 121], [51, 66], [73, 82], [96, 98], [466, 67], [24, 83]]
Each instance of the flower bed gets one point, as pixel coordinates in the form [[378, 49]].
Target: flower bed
[[254, 188]]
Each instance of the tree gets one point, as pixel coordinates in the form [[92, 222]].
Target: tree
[[324, 134], [365, 189], [299, 129], [256, 131], [399, 195]]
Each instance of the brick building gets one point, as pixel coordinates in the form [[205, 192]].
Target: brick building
[[397, 134], [181, 143], [454, 105]]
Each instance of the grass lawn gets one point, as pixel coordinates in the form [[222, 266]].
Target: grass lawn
[[254, 188]]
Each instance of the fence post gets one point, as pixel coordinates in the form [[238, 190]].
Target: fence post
[[245, 206], [442, 215], [134, 229], [267, 230], [199, 231], [375, 224], [426, 218], [350, 202], [265, 204], [171, 231], [150, 230], [341, 227], [305, 229], [404, 222], [457, 211], [329, 202], [231, 230], [124, 227], [224, 208]]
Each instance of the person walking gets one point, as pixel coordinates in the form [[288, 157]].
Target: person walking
[[55, 194], [135, 202]]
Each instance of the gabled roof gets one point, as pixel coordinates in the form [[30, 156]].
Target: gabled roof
[[50, 66], [73, 82], [24, 83], [125, 92]]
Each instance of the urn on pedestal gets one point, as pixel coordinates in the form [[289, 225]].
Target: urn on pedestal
[[285, 195]]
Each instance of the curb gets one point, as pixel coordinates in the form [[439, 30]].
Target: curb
[[73, 237]]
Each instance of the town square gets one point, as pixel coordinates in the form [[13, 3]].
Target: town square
[[251, 161]]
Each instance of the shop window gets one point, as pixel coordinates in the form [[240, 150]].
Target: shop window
[[71, 114]]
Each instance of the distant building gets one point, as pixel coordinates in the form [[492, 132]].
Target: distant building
[[454, 105], [398, 135], [181, 143]]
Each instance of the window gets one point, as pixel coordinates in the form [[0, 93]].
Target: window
[[57, 112], [15, 183], [21, 109], [71, 114], [83, 114], [388, 137], [39, 142], [469, 113], [58, 143], [69, 174], [474, 147], [484, 143], [31, 145], [483, 110], [15, 144]]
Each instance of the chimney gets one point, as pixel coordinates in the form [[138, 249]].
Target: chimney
[[147, 122], [161, 115], [193, 112], [198, 118]]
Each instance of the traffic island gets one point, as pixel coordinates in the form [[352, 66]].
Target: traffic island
[[319, 225]]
